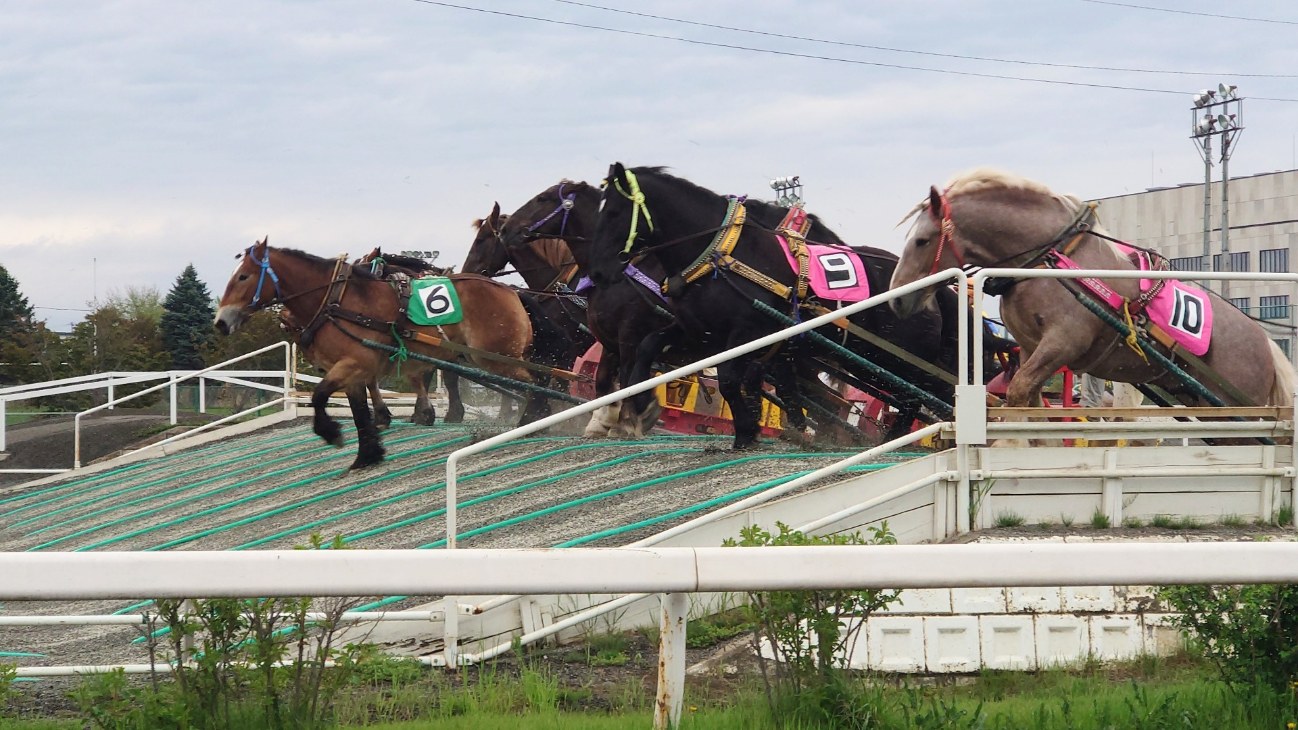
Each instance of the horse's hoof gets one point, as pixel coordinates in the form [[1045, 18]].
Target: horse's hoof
[[454, 417], [368, 458], [425, 418], [332, 434]]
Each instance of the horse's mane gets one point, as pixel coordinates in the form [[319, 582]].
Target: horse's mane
[[411, 263], [360, 272], [762, 208], [553, 251], [985, 178]]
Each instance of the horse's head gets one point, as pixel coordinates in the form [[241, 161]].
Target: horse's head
[[982, 218], [253, 285], [487, 255], [553, 213], [624, 225]]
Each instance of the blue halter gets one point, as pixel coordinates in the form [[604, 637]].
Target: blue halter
[[264, 264]]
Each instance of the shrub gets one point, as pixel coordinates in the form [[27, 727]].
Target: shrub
[[1249, 632], [809, 631]]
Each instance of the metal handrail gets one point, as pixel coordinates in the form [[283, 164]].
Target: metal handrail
[[171, 383]]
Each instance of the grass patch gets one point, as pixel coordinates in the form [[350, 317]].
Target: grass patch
[[1232, 520], [1132, 522], [1099, 520], [1065, 520], [1283, 516], [1009, 519], [1165, 521]]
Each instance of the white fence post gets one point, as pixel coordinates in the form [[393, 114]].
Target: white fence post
[[202, 395], [3, 421], [111, 395], [671, 661], [172, 390]]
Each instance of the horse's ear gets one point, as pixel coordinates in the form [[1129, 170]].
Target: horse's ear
[[495, 212], [583, 185], [934, 200], [616, 172]]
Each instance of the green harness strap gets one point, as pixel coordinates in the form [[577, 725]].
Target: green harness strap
[[636, 196], [401, 353]]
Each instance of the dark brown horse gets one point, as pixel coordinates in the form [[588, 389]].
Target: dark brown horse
[[342, 306], [993, 218], [548, 268]]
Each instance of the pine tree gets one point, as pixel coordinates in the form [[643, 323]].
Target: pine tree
[[16, 315], [187, 321]]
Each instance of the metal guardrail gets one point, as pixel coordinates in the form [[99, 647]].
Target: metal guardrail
[[113, 380]]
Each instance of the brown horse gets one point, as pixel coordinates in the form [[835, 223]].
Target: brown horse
[[992, 218], [342, 306]]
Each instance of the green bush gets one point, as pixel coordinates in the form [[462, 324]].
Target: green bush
[[809, 632], [1249, 632]]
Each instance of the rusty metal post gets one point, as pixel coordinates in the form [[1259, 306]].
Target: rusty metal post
[[671, 661]]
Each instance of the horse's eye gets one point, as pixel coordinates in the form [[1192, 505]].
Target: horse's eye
[[921, 242], [242, 277]]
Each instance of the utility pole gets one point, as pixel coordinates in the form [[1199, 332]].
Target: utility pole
[[1222, 113]]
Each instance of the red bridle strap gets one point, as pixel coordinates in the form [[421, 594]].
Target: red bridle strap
[[946, 235]]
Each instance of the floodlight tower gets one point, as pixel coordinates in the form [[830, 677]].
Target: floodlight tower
[[1217, 112], [788, 190]]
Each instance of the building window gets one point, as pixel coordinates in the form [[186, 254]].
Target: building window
[[1238, 261], [1241, 303], [1273, 307], [1275, 260], [1187, 263], [1283, 343]]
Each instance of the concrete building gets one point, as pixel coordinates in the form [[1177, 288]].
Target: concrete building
[[1263, 237]]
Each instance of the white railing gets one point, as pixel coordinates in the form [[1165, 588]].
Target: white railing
[[111, 381], [675, 572]]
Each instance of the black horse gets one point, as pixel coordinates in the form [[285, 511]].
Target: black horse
[[626, 311], [650, 214]]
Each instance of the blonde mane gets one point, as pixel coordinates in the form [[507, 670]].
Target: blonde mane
[[987, 178]]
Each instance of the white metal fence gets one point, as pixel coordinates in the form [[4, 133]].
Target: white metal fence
[[674, 572]]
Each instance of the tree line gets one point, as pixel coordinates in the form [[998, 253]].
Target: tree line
[[136, 329]]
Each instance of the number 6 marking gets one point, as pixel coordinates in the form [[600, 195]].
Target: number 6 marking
[[436, 302]]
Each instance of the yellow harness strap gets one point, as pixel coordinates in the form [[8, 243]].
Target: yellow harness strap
[[636, 196]]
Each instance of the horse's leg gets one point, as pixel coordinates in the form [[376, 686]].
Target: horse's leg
[[740, 382], [1025, 388], [455, 408], [324, 424], [640, 412], [382, 414], [784, 374], [425, 414], [604, 420], [370, 450]]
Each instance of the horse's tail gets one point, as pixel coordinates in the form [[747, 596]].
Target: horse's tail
[[1282, 389]]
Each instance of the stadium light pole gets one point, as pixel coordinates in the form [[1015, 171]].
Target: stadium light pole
[[788, 190], [1218, 112]]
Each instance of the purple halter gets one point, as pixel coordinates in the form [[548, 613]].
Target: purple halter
[[565, 207]]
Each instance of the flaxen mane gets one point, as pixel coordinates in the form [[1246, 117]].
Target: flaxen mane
[[988, 178]]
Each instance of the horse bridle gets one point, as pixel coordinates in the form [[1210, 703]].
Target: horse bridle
[[1079, 226], [266, 270], [946, 235], [565, 206]]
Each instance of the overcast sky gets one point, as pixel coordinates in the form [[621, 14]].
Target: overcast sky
[[138, 136]]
